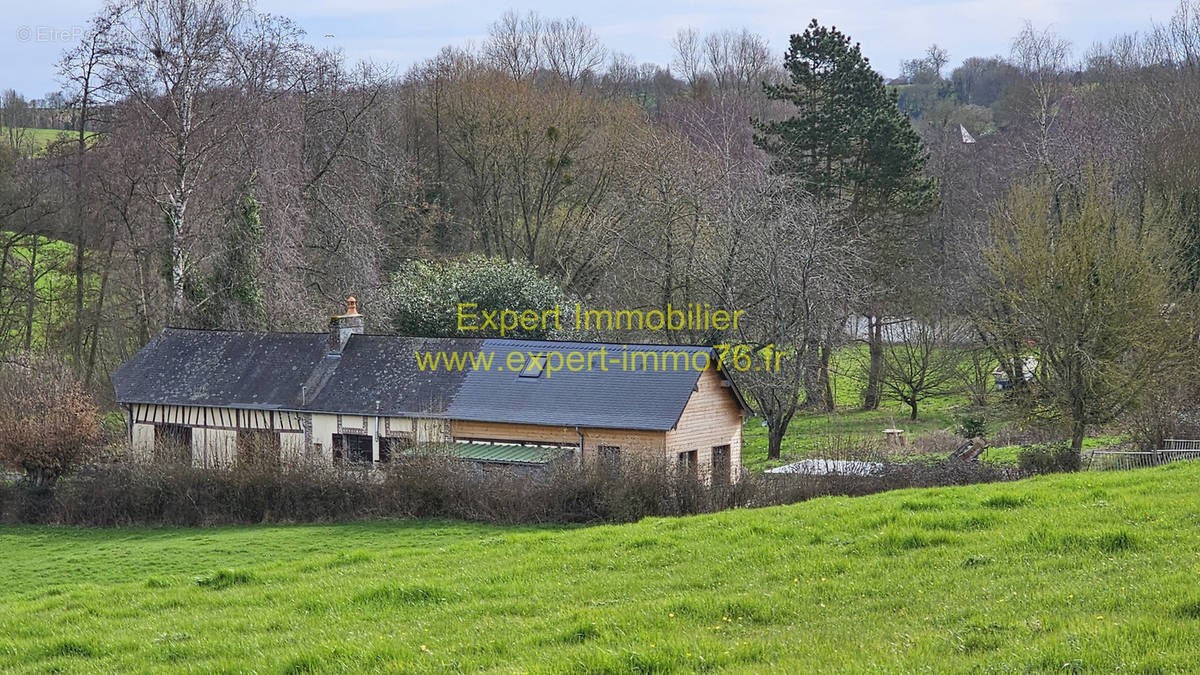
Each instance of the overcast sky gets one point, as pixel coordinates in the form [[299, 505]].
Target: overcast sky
[[402, 32]]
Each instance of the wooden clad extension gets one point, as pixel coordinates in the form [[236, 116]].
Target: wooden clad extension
[[711, 419]]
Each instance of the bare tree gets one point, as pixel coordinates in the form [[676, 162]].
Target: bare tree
[[799, 276], [737, 60], [923, 360], [937, 58], [571, 49], [174, 59], [687, 59], [514, 44], [88, 92], [1041, 57]]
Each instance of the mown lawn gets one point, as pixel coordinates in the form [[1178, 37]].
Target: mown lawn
[[1090, 571]]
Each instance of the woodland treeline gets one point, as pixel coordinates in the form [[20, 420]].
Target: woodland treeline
[[219, 171]]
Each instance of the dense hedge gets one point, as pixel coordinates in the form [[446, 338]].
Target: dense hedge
[[425, 487]]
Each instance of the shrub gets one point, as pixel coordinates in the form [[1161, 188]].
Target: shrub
[[972, 426], [1171, 410], [1048, 458], [423, 298], [48, 424], [432, 486]]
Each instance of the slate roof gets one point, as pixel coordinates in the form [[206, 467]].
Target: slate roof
[[383, 368], [615, 396], [378, 374], [227, 369]]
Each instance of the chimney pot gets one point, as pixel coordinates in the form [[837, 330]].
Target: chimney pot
[[342, 327]]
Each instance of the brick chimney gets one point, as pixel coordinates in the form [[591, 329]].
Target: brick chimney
[[341, 327]]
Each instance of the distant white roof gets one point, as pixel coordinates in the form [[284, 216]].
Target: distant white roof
[[827, 467]]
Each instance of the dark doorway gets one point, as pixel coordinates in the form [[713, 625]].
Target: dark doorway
[[173, 443]]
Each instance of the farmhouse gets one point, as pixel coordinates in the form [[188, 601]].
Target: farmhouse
[[216, 398]]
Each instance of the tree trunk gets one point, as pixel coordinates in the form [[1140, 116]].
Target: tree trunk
[[818, 387], [1077, 425], [80, 232], [814, 386], [826, 380], [91, 360], [774, 439], [871, 395], [32, 299], [178, 263], [77, 334]]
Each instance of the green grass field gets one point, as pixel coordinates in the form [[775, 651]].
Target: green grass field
[[1081, 572], [810, 433], [55, 287], [35, 141]]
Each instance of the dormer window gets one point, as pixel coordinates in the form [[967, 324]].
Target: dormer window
[[537, 363]]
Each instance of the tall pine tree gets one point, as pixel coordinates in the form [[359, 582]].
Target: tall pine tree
[[850, 147]]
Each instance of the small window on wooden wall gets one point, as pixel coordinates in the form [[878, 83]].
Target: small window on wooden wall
[[173, 443], [608, 455], [687, 463]]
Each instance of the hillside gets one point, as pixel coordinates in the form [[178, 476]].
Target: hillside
[[1086, 571]]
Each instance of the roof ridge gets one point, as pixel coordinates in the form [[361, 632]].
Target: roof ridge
[[242, 332]]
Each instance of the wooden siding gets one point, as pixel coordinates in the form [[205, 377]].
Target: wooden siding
[[711, 418], [641, 442]]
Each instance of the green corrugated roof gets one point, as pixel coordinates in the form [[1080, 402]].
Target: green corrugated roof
[[488, 452]]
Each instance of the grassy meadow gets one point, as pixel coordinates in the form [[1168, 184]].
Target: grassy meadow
[[811, 434], [31, 141], [54, 286], [1076, 572]]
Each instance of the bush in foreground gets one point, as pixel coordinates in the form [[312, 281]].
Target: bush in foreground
[[431, 486], [48, 423]]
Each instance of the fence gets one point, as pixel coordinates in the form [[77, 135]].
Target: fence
[[1174, 450]]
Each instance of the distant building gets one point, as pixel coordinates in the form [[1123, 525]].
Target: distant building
[[1028, 367], [215, 398]]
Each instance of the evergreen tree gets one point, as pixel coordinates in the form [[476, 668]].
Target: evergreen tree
[[852, 149]]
